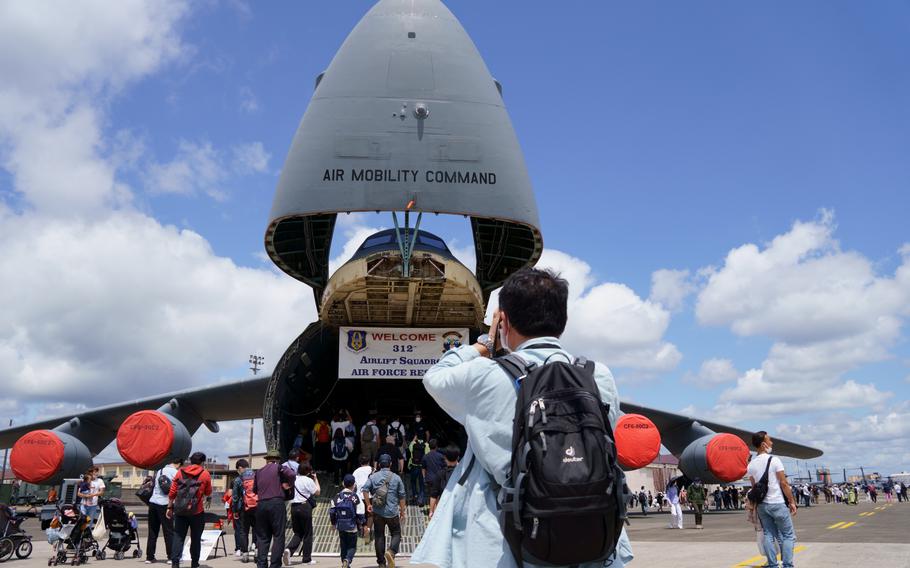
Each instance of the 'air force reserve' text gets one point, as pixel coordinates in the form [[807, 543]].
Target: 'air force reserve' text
[[409, 176]]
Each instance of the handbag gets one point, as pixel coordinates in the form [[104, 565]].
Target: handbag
[[100, 530]]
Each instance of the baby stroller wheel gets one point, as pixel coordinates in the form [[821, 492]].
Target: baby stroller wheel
[[6, 549], [118, 555], [101, 554], [24, 550], [137, 553], [245, 558]]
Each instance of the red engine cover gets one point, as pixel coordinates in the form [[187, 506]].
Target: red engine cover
[[37, 456], [637, 441], [727, 457], [145, 438]]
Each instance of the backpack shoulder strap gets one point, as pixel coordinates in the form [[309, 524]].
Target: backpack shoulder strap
[[516, 367]]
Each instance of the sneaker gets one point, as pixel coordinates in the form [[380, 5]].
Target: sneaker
[[286, 557], [310, 562], [390, 558], [345, 563], [238, 554], [149, 561]]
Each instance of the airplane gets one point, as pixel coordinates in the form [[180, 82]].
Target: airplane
[[405, 119]]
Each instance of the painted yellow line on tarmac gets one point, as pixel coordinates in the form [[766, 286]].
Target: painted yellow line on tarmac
[[847, 526], [837, 525], [867, 514], [761, 559]]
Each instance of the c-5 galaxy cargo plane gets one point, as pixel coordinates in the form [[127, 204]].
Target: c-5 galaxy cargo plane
[[406, 119]]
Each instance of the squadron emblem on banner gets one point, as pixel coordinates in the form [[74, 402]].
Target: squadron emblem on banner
[[357, 340]]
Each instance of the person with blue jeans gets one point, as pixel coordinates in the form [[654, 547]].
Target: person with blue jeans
[[776, 509]]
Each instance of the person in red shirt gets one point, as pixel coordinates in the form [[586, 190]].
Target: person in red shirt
[[189, 514]]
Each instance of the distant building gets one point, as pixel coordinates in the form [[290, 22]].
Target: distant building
[[655, 475], [131, 477]]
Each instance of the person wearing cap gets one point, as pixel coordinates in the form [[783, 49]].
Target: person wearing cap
[[347, 518], [388, 512], [271, 485]]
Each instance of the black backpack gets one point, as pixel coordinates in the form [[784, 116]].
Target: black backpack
[[146, 490], [563, 502], [188, 494]]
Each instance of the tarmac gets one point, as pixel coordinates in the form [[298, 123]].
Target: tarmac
[[868, 534]]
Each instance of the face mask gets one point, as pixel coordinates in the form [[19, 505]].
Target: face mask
[[770, 447], [503, 340], [417, 420]]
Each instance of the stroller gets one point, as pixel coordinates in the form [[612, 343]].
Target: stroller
[[72, 540], [12, 538], [122, 530]]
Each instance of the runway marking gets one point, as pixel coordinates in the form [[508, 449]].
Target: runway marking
[[847, 526], [837, 525], [751, 562]]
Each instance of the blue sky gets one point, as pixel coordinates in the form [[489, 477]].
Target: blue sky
[[658, 136]]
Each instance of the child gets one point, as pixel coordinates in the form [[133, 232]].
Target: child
[[344, 517]]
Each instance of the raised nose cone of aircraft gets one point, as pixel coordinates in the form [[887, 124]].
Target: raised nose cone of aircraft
[[406, 112]]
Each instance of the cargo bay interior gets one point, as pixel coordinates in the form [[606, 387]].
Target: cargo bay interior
[[305, 388]]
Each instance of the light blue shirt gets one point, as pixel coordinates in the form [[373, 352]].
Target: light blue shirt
[[396, 492], [476, 392]]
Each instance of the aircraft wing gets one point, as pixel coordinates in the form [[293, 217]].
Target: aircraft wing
[[234, 400], [678, 431]]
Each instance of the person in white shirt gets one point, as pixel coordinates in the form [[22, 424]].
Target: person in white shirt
[[305, 486], [361, 475], [778, 505], [90, 498], [157, 516]]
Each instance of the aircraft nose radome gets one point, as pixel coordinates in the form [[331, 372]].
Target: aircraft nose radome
[[411, 7]]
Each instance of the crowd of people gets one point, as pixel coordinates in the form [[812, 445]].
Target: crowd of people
[[375, 472]]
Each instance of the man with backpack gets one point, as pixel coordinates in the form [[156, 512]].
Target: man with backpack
[[244, 503], [345, 518], [385, 497], [417, 450], [775, 504], [186, 498], [369, 440], [436, 482], [157, 515], [557, 450], [273, 485]]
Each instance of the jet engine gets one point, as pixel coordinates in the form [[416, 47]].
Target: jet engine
[[637, 441], [150, 439], [48, 456], [715, 458]]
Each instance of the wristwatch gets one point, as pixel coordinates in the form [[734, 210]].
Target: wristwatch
[[487, 342]]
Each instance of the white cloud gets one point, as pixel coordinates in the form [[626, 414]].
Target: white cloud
[[251, 158], [133, 305], [610, 322], [671, 287], [827, 310], [801, 288], [248, 101], [713, 372], [195, 169], [60, 63], [198, 168], [876, 441]]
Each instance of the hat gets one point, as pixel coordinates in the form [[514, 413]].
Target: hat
[[273, 455], [385, 460], [348, 480]]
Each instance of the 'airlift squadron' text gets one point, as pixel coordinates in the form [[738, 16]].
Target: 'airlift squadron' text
[[410, 176]]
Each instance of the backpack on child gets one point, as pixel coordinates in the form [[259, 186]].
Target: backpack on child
[[344, 511]]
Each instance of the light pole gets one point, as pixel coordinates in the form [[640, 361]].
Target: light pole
[[256, 362]]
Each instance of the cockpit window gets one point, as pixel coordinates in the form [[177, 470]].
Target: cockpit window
[[432, 242], [376, 241]]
